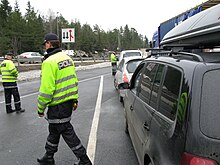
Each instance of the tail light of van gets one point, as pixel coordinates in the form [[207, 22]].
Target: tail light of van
[[125, 78], [188, 159]]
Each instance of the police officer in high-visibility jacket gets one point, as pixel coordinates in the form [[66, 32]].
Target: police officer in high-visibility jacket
[[9, 82], [113, 62], [59, 92]]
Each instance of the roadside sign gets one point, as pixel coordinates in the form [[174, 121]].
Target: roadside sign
[[68, 35]]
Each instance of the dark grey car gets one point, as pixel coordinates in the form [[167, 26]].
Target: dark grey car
[[172, 105], [172, 110]]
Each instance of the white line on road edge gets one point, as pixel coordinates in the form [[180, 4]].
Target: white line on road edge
[[91, 148], [23, 96], [93, 77], [38, 92]]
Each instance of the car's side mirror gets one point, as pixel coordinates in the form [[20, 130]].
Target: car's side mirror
[[124, 86]]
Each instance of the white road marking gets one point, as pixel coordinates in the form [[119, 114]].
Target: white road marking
[[88, 79], [23, 96], [91, 148], [93, 78]]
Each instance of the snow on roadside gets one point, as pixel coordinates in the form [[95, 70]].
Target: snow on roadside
[[36, 73]]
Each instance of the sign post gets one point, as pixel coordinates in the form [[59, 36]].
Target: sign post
[[68, 36]]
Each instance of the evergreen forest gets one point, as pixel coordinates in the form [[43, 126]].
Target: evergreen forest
[[25, 32]]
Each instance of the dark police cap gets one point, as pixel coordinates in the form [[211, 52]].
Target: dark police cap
[[50, 37], [9, 54]]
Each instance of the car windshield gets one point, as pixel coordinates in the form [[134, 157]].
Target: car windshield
[[132, 65], [129, 54]]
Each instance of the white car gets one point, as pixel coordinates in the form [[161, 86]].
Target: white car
[[129, 53], [30, 57], [125, 70]]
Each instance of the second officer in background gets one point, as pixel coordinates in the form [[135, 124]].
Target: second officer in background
[[114, 63], [59, 92], [9, 82]]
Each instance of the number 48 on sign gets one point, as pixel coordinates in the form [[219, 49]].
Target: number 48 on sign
[[68, 35]]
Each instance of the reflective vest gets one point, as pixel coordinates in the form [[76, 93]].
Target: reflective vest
[[9, 71], [182, 107], [58, 81], [113, 58]]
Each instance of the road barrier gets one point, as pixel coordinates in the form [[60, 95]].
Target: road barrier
[[83, 61]]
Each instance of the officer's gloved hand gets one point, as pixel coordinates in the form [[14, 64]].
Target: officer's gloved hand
[[75, 105], [40, 114], [15, 74]]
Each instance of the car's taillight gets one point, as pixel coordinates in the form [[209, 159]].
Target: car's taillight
[[188, 159], [22, 56], [125, 78]]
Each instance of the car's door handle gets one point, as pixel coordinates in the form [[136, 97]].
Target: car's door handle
[[131, 108], [146, 126]]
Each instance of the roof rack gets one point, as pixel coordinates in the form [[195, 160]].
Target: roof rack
[[195, 57], [174, 52]]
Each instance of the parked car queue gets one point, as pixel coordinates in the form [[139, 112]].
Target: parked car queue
[[125, 70], [172, 102]]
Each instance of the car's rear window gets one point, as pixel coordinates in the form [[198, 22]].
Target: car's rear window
[[210, 104], [130, 54], [132, 65], [25, 54]]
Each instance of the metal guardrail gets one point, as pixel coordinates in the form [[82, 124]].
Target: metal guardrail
[[77, 62], [2, 59], [90, 59], [82, 59]]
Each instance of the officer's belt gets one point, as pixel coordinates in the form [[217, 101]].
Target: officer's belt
[[9, 87], [58, 121]]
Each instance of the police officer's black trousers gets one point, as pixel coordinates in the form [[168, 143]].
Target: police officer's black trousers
[[68, 134], [9, 92], [114, 68]]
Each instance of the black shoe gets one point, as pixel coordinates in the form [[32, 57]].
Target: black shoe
[[83, 161], [10, 111], [20, 111], [46, 160]]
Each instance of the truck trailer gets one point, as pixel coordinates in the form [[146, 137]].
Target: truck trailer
[[168, 25]]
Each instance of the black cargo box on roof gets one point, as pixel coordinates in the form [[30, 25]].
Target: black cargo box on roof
[[200, 31]]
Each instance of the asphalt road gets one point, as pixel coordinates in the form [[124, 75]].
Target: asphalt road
[[98, 121]]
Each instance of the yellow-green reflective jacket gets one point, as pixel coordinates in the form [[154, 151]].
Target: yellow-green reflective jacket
[[58, 81], [113, 58], [182, 107], [9, 72]]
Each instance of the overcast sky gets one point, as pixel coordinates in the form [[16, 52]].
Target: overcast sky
[[143, 15]]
